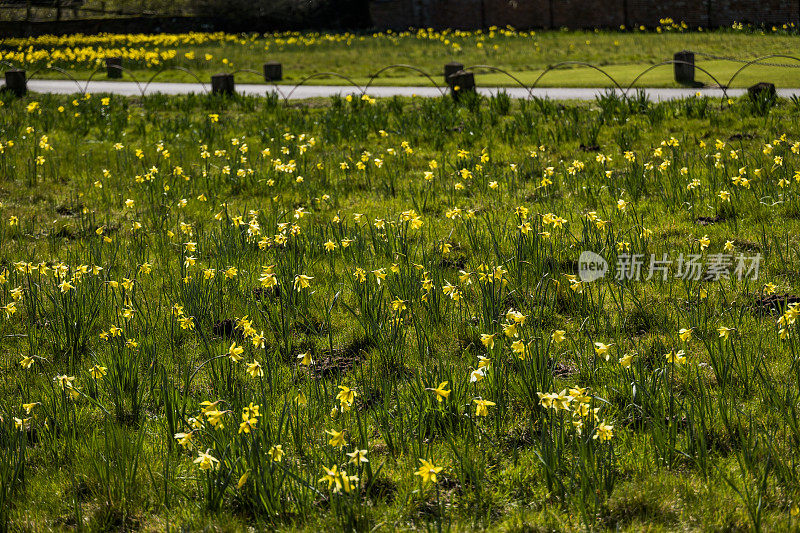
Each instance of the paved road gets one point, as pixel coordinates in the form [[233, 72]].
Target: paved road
[[314, 91]]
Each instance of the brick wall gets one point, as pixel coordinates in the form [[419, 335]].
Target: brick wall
[[464, 14], [471, 14], [519, 13], [588, 14], [393, 14], [648, 12], [726, 12]]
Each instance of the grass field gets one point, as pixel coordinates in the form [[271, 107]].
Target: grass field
[[624, 55], [366, 314]]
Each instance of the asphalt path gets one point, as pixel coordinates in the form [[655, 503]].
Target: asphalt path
[[127, 88]]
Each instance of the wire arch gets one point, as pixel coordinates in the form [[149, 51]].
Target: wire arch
[[408, 67], [497, 69], [118, 67], [251, 71], [583, 64], [318, 75], [724, 87], [60, 71], [181, 69], [758, 60], [675, 62]]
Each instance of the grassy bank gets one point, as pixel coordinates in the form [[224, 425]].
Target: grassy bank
[[624, 55], [235, 313]]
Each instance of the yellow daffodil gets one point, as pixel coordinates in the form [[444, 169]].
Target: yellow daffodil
[[428, 471]]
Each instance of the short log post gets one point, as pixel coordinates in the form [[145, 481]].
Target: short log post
[[684, 67], [222, 84], [114, 67], [450, 69], [462, 83], [762, 88], [16, 82], [273, 71]]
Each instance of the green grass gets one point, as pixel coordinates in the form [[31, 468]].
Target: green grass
[[624, 55], [567, 76], [125, 184]]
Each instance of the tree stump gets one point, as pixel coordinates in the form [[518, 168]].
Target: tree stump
[[684, 67], [16, 82], [222, 84], [450, 69], [114, 67], [762, 88], [462, 83], [273, 71]]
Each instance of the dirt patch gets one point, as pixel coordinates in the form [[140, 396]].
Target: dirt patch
[[564, 369], [773, 303], [262, 293], [457, 262], [311, 326], [369, 399], [225, 328], [748, 246], [341, 360], [68, 210], [381, 488], [707, 221]]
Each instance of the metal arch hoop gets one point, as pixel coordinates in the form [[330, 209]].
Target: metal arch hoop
[[625, 91], [673, 62], [404, 66], [60, 71], [181, 69], [118, 67], [583, 64], [758, 60], [318, 75], [497, 69], [251, 71]]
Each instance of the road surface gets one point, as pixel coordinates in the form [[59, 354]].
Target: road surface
[[315, 91]]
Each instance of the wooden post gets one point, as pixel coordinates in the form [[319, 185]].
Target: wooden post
[[114, 67], [273, 71], [462, 83], [16, 82], [222, 84], [450, 69], [684, 67], [760, 88]]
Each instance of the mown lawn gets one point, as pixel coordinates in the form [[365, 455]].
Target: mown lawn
[[624, 55], [235, 313]]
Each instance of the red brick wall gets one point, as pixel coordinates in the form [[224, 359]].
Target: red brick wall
[[726, 12], [456, 14], [588, 14], [648, 12], [471, 14], [517, 13], [393, 14]]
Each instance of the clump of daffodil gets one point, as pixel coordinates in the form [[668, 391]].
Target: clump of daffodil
[[428, 471], [441, 392], [250, 415], [205, 461], [482, 407], [346, 397], [339, 480]]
